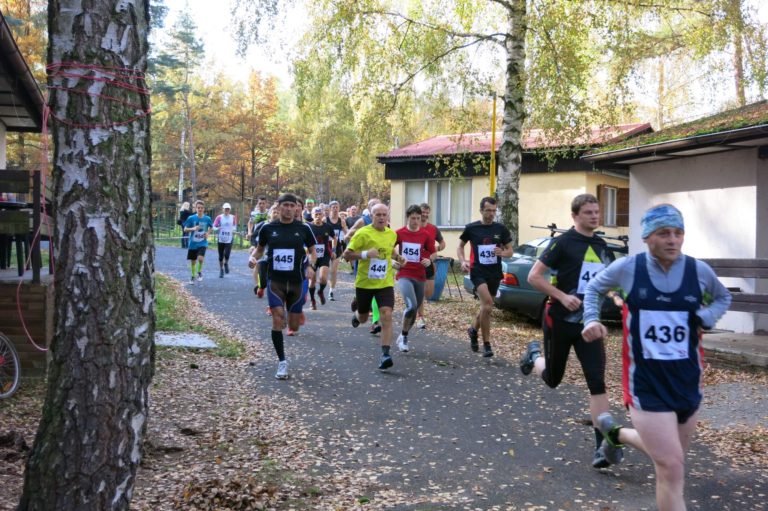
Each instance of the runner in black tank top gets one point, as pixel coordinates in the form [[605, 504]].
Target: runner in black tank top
[[576, 257]]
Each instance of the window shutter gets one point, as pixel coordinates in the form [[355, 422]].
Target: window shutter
[[602, 200], [622, 207]]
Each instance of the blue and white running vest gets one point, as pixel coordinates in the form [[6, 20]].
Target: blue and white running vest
[[662, 353]]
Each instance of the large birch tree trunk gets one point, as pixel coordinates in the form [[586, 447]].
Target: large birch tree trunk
[[88, 445], [511, 150]]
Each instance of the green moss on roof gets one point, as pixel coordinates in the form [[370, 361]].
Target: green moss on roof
[[744, 117]]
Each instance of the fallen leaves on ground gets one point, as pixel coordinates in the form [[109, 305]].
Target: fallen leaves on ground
[[215, 442], [744, 445]]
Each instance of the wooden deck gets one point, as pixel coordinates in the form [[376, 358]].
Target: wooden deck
[[35, 301]]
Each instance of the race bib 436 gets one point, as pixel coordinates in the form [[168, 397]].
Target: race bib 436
[[664, 334]]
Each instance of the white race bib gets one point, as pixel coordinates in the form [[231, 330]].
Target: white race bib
[[664, 334], [486, 255], [225, 236], [320, 250], [198, 236], [412, 252], [282, 259], [226, 229], [587, 273], [378, 269]]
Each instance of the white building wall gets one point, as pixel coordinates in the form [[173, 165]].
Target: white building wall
[[718, 197], [761, 243]]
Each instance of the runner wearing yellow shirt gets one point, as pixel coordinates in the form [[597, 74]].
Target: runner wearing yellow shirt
[[373, 246]]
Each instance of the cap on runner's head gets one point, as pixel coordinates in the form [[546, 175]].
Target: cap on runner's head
[[226, 206], [310, 201], [663, 215], [287, 197], [317, 210], [333, 203]]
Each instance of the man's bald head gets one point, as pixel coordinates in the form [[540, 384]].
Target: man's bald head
[[380, 214]]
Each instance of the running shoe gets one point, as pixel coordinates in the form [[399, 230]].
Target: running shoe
[[421, 323], [282, 370], [532, 352], [269, 311], [330, 296], [353, 305], [192, 281], [473, 339], [487, 351], [321, 296], [226, 267], [599, 460], [291, 333], [313, 305], [256, 291], [385, 362], [375, 328], [402, 343], [355, 321], [221, 273], [260, 292], [200, 276], [610, 430]]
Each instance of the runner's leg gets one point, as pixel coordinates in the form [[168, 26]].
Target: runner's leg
[[482, 321], [591, 356], [661, 437], [375, 308], [385, 316], [407, 290]]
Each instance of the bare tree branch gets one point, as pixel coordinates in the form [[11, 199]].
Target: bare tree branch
[[430, 26]]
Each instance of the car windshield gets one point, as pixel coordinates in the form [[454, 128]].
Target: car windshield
[[532, 248]]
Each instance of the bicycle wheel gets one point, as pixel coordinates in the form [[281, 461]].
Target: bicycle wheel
[[10, 368]]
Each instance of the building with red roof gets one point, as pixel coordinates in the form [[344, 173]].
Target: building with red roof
[[451, 173]]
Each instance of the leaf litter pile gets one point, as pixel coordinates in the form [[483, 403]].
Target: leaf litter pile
[[214, 442]]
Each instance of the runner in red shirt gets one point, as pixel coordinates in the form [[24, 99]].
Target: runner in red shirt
[[414, 244], [436, 237]]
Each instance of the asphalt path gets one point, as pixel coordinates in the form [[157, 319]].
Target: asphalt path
[[446, 427]]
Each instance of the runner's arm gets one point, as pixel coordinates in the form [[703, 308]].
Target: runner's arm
[[460, 256], [715, 293], [538, 279], [617, 275], [440, 240], [506, 250], [351, 232]]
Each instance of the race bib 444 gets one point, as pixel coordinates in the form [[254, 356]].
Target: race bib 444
[[377, 269]]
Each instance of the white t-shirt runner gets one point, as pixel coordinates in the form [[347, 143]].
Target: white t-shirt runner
[[226, 225]]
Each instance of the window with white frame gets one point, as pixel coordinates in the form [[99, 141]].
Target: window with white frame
[[614, 205], [449, 199]]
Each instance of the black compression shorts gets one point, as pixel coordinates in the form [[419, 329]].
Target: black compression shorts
[[385, 297]]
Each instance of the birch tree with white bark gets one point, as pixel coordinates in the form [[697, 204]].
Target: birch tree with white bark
[[88, 445]]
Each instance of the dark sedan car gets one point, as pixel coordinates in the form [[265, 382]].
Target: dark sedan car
[[516, 294]]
